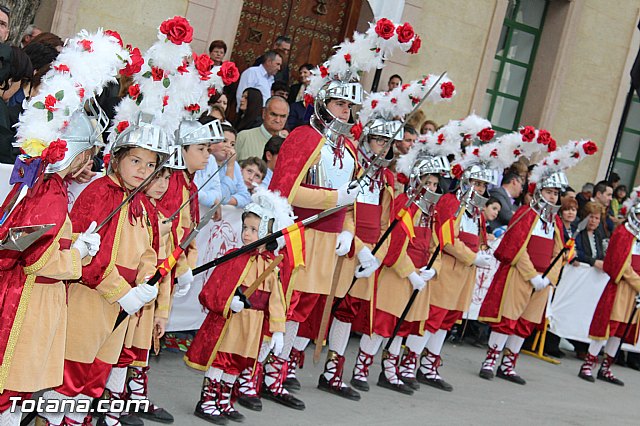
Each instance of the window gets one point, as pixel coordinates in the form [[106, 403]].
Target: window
[[513, 63], [627, 156]]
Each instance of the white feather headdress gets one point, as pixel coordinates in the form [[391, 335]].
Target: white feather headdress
[[563, 158]]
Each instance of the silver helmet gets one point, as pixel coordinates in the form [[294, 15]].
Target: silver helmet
[[633, 220], [143, 134], [323, 120], [466, 194], [83, 132], [192, 132], [378, 128], [176, 162], [426, 165], [546, 210]]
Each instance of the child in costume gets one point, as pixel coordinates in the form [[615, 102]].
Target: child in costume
[[231, 336]]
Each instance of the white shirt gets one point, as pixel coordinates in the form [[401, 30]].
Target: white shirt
[[258, 78]]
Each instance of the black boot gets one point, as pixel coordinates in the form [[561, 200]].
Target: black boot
[[207, 408], [389, 378], [334, 367]]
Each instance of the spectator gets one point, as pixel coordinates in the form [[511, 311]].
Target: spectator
[[221, 100], [428, 126], [568, 213], [619, 195], [602, 193], [260, 76], [416, 119], [41, 57], [232, 187], [410, 136], [29, 33], [209, 193], [270, 156], [217, 50], [280, 88], [218, 113], [585, 195], [250, 112], [254, 170], [589, 248], [296, 92], [49, 39], [569, 192], [282, 45], [614, 180], [394, 81], [491, 211], [4, 23], [251, 142], [511, 189]]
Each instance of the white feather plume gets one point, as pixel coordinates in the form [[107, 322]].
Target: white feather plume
[[563, 158]]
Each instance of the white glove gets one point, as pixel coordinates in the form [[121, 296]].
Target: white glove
[[417, 282], [347, 195], [638, 301], [184, 283], [236, 304], [427, 273], [277, 343], [362, 272], [137, 297], [483, 260], [367, 258], [88, 242], [343, 243], [539, 282]]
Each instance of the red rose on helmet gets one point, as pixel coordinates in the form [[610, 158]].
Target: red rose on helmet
[[405, 32], [192, 108], [544, 137], [106, 159], [165, 100], [86, 45], [415, 46], [447, 89], [308, 99], [81, 93], [552, 145], [229, 73], [590, 148], [486, 134], [356, 130], [134, 91], [61, 68], [385, 28], [517, 152], [440, 139], [115, 35], [178, 30], [183, 68], [528, 133], [211, 91], [347, 58], [324, 71], [374, 103], [122, 126], [476, 151], [135, 62], [457, 171], [50, 102], [157, 73], [203, 64], [55, 151]]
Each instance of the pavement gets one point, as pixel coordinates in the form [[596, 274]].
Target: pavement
[[553, 395]]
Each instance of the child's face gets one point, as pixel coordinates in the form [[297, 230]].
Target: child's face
[[491, 211], [251, 175], [223, 150], [196, 157], [136, 166], [158, 187], [250, 227]]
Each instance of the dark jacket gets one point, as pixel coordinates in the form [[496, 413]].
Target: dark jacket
[[507, 209], [583, 247]]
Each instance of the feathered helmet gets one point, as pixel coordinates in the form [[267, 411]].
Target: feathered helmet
[[631, 209], [431, 152], [338, 77], [550, 173], [274, 211], [55, 126]]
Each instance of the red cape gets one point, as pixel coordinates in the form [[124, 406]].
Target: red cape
[[398, 236], [446, 209], [47, 203], [173, 199], [620, 247]]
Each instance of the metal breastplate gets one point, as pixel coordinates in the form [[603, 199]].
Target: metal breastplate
[[328, 173], [543, 230], [469, 225]]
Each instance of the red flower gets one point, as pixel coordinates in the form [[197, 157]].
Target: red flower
[[552, 145], [324, 71], [134, 91], [494, 152], [61, 68], [50, 102], [165, 100], [394, 100], [121, 126], [476, 152], [115, 35], [402, 178], [192, 108], [517, 152], [531, 188], [486, 134], [64, 125], [229, 73], [440, 139], [556, 161], [203, 64], [590, 148], [106, 159], [415, 46], [356, 130], [178, 30], [81, 92], [183, 68], [211, 91], [405, 32], [447, 89], [374, 103], [347, 58], [135, 62], [157, 73], [308, 100], [405, 86], [528, 133], [55, 151], [385, 28], [544, 137], [457, 171], [86, 45]]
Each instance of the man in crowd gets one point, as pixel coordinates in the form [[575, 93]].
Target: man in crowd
[[394, 81], [270, 156], [507, 193], [282, 45], [260, 76], [217, 50], [251, 142], [4, 23], [280, 88], [410, 136], [585, 195], [29, 33]]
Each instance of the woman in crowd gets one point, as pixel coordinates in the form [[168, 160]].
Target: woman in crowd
[[619, 195], [568, 213], [589, 241], [491, 211], [250, 114]]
